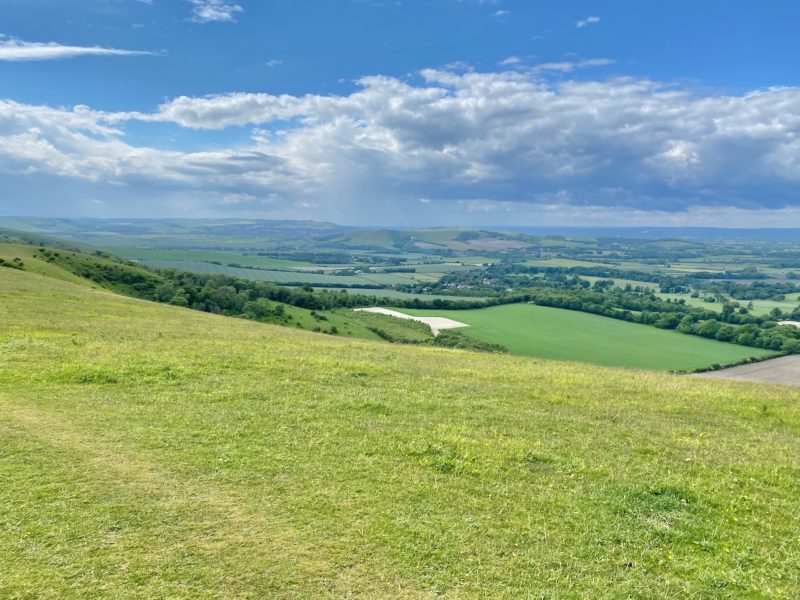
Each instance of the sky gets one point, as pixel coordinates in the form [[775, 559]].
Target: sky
[[403, 112]]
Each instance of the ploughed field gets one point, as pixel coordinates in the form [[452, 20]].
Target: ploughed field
[[571, 335], [151, 451], [784, 370]]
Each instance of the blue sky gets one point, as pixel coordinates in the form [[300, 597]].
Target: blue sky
[[406, 112]]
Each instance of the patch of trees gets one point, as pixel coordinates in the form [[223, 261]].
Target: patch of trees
[[758, 290], [452, 339], [728, 326], [14, 263]]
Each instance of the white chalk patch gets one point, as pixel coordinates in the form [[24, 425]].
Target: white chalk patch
[[436, 324]]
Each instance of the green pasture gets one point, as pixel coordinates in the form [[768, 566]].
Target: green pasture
[[560, 334]]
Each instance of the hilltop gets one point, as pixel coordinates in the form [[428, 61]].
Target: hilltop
[[155, 451]]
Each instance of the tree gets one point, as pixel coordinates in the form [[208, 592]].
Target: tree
[[179, 299]]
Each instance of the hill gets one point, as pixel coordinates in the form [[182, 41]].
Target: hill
[[154, 451], [107, 271]]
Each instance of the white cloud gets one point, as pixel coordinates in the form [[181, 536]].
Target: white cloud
[[501, 14], [15, 50], [209, 11], [568, 66], [274, 62], [587, 21], [474, 143]]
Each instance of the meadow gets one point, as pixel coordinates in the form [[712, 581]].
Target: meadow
[[151, 451], [561, 334]]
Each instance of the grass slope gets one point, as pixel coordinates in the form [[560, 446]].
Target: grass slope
[[80, 268], [149, 451], [570, 335]]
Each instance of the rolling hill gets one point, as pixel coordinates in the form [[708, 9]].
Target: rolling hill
[[153, 451]]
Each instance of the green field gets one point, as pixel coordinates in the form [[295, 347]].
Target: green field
[[570, 335], [151, 451], [225, 258], [389, 293], [284, 276], [622, 282], [562, 262]]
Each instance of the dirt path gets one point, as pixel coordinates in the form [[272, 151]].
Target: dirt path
[[784, 370], [435, 323]]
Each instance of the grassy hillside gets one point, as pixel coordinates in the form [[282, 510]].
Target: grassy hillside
[[570, 335], [106, 271], [150, 451]]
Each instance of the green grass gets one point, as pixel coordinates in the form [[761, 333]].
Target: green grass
[[390, 293], [289, 276], [263, 262], [570, 335], [148, 451], [562, 262], [622, 282], [389, 328]]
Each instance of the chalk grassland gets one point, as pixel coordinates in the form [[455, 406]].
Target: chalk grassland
[[345, 323], [150, 451], [570, 335]]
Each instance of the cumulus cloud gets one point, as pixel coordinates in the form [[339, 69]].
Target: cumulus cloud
[[210, 11], [470, 143], [15, 50]]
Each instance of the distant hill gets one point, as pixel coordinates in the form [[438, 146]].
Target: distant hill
[[252, 234]]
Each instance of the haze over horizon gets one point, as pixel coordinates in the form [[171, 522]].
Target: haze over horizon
[[480, 113]]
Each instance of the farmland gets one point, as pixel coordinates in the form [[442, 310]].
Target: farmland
[[666, 283], [389, 293], [569, 335]]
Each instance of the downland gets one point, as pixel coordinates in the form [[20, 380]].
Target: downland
[[150, 450]]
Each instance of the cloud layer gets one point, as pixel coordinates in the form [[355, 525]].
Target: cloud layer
[[480, 147]]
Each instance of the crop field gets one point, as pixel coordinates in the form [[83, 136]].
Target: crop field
[[247, 260], [283, 276], [563, 262], [151, 451], [570, 335], [440, 268], [389, 293], [623, 282]]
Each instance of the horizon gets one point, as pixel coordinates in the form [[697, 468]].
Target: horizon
[[636, 232], [466, 113]]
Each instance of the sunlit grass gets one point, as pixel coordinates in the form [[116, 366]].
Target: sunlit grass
[[148, 451]]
